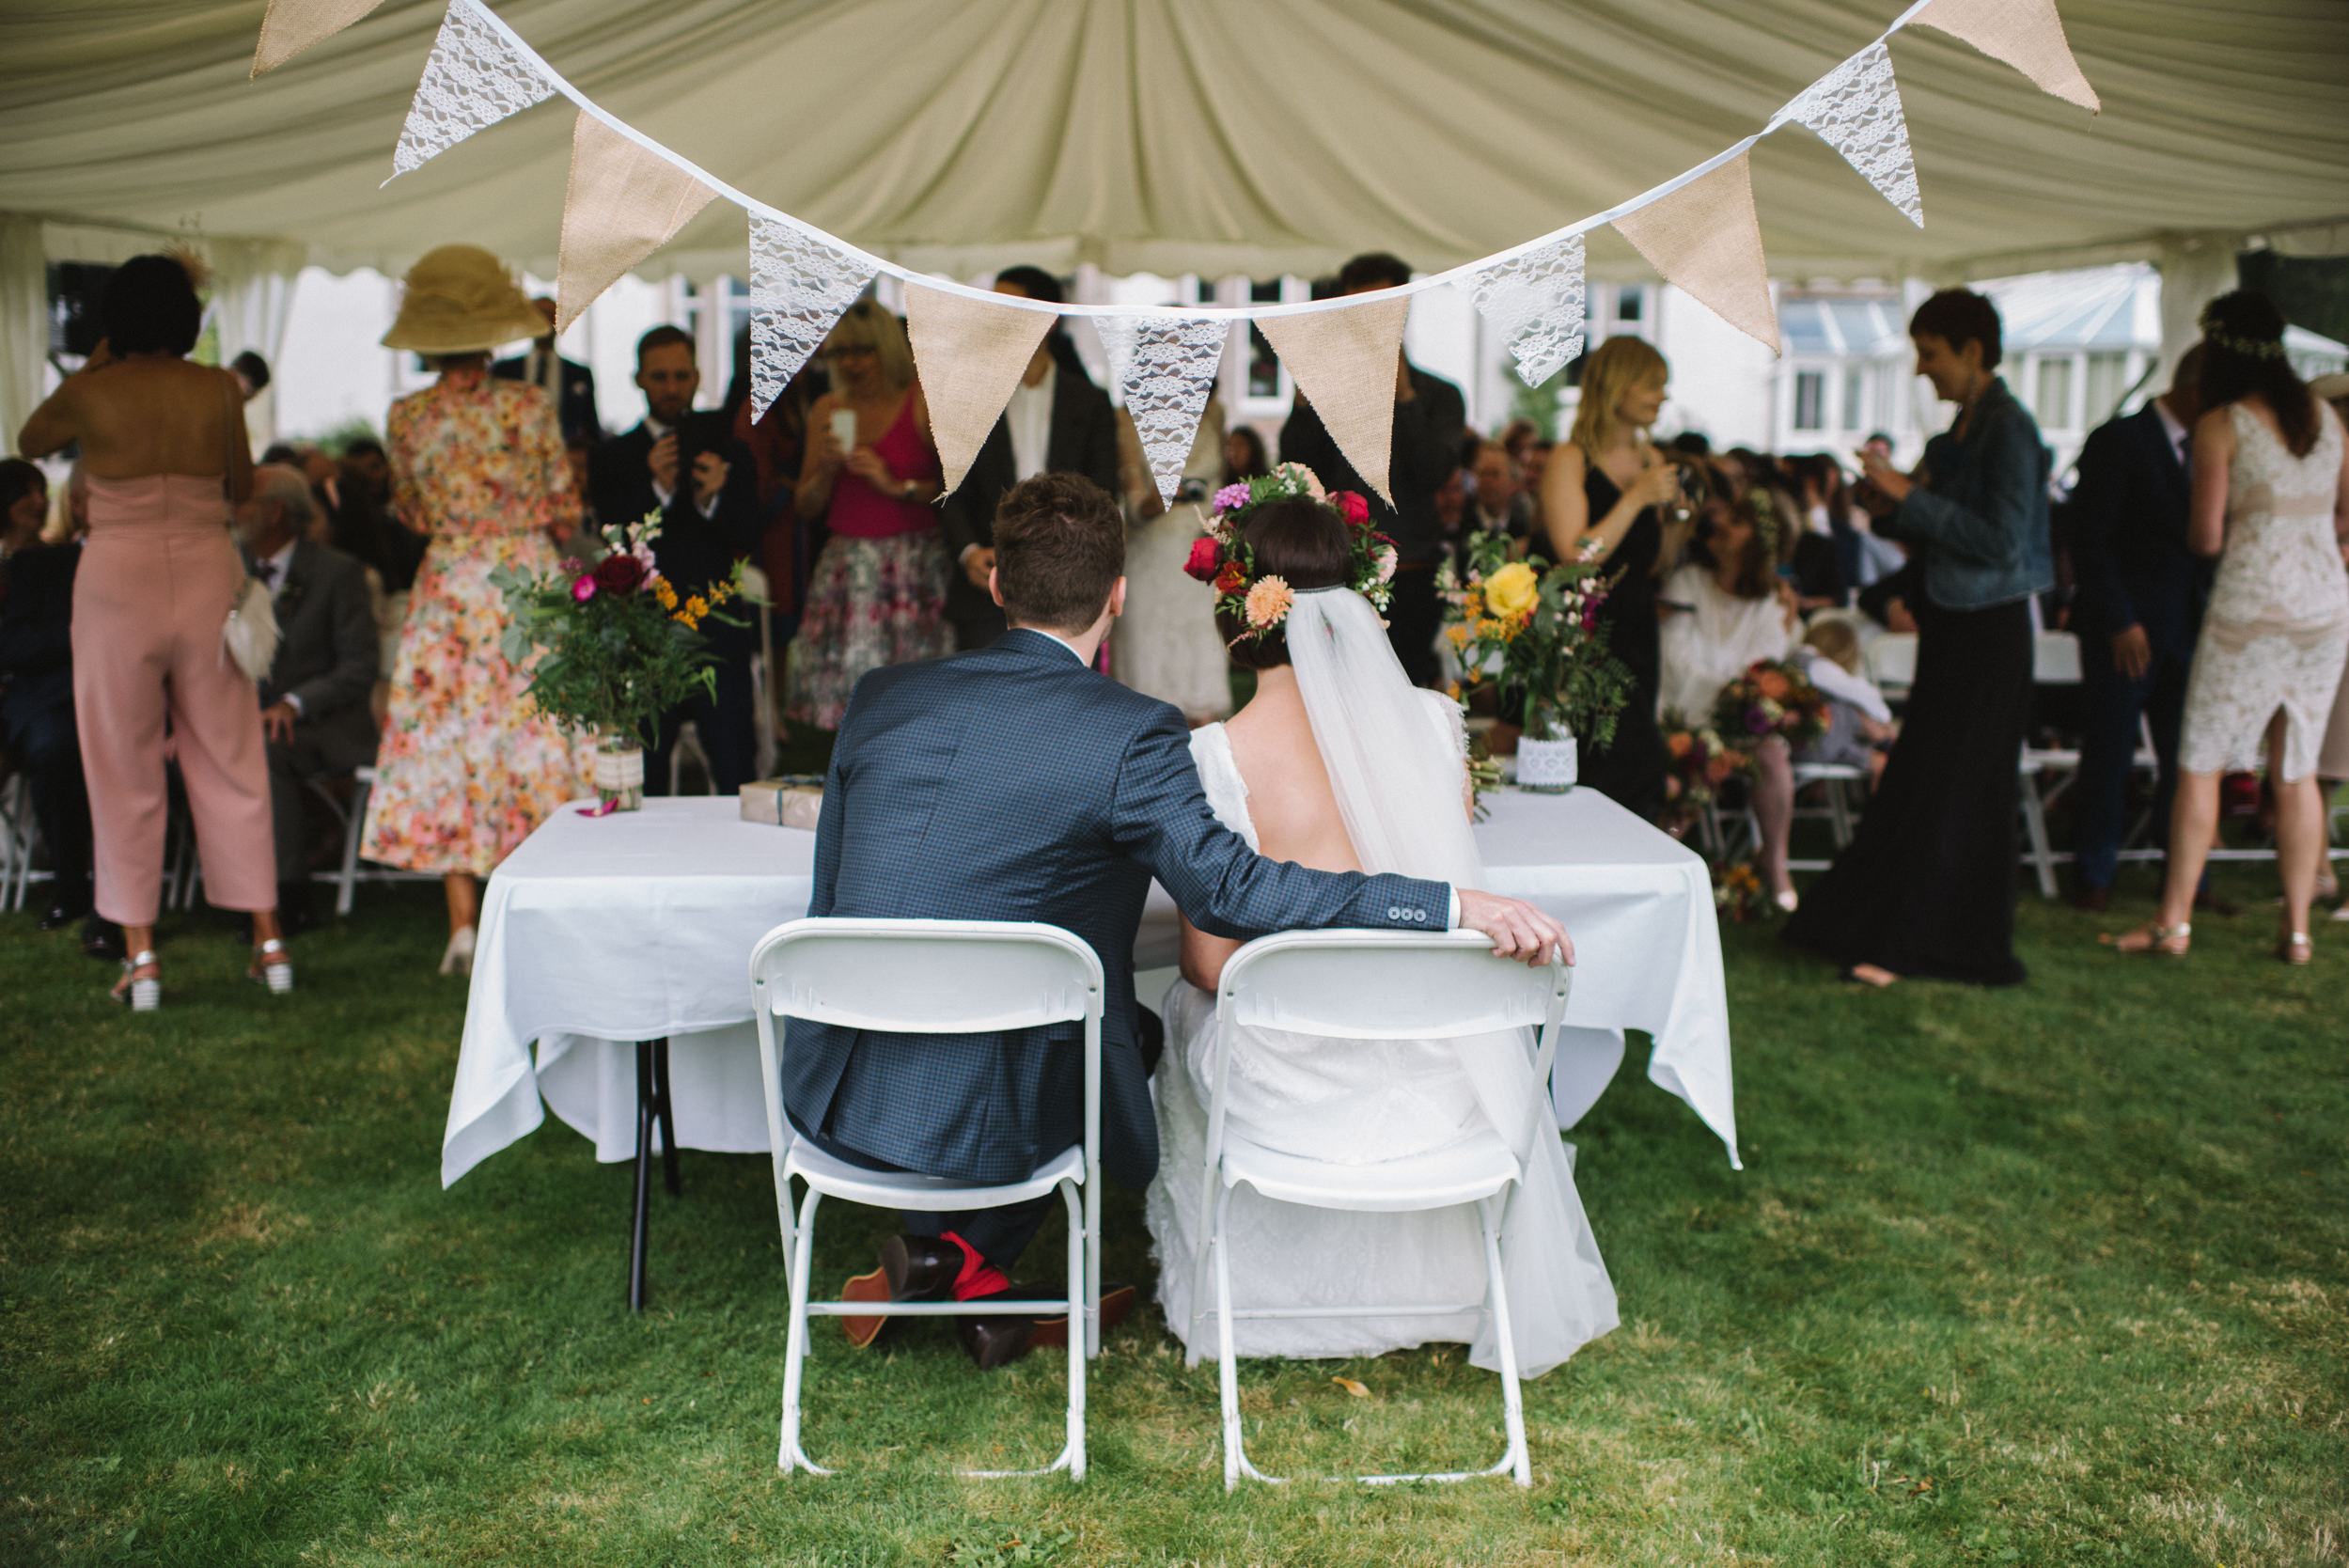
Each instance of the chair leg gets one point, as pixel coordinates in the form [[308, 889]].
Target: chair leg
[[1512, 1403], [1227, 1366], [2035, 823], [1092, 1268], [1838, 813], [347, 881], [1080, 1259], [795, 1346]]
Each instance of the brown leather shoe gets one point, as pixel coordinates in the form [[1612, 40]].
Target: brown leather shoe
[[996, 1341], [913, 1268]]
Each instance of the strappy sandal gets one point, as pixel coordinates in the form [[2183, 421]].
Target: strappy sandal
[[2169, 941], [272, 967], [144, 992], [2294, 948]]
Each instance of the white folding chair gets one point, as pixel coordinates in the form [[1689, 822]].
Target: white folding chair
[[1375, 985], [932, 977], [20, 832], [689, 744], [2046, 772], [1892, 662]]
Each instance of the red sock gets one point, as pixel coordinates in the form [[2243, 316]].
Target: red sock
[[979, 1277]]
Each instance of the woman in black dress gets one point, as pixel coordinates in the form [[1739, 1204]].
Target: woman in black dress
[[1927, 885], [1607, 483]]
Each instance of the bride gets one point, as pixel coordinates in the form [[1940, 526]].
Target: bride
[[1338, 763]]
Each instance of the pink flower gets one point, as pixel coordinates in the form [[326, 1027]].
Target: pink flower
[[1268, 603], [1297, 473], [1356, 509], [1231, 497], [582, 589], [644, 559], [1386, 566], [1202, 564], [573, 565]]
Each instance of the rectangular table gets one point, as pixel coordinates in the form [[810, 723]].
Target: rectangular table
[[621, 946]]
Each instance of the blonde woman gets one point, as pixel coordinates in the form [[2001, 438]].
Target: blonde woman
[[1605, 490], [877, 593]]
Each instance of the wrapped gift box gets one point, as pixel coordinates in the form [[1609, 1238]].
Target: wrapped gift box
[[795, 800]]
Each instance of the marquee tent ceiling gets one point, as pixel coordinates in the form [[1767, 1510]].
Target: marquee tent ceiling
[[1215, 136]]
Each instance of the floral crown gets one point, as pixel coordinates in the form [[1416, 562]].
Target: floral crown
[[2251, 347], [1224, 560]]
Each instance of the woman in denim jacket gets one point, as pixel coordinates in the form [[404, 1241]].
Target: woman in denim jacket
[[1927, 885]]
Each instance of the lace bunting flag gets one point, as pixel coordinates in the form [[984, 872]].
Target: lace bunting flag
[[472, 79], [1856, 109], [798, 288], [1166, 367], [1534, 301]]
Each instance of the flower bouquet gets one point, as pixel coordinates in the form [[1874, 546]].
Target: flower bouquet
[[1700, 761], [1771, 697], [611, 645], [1535, 629]]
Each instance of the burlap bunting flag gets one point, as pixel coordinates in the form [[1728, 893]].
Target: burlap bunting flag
[[1706, 240], [2025, 34], [292, 25], [1345, 362], [622, 204], [970, 354]]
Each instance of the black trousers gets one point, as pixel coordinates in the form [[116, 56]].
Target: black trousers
[[2110, 706], [316, 751], [41, 736], [1001, 1234], [723, 722], [1414, 616]]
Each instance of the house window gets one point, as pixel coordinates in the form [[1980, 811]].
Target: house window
[[1810, 391], [2054, 403], [2107, 379], [1854, 396], [1631, 301]]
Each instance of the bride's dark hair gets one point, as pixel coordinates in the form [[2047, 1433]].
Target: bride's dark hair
[[1304, 544]]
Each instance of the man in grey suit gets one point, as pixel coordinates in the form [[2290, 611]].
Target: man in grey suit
[[1056, 422], [1014, 783], [315, 705]]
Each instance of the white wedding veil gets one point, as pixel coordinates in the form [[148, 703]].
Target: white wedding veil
[[1396, 762]]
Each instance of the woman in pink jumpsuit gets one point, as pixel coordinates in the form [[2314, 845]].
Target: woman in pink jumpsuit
[[164, 452]]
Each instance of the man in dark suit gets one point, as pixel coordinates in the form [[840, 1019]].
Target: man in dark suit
[[1058, 422], [316, 710], [570, 384], [2137, 610], [1430, 416], [37, 727], [1013, 783], [686, 464]]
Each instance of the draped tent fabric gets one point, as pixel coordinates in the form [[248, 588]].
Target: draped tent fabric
[[1193, 135]]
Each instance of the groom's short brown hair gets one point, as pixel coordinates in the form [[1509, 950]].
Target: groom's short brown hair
[[1059, 549]]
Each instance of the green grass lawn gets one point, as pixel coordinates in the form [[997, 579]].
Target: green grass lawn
[[2050, 1276]]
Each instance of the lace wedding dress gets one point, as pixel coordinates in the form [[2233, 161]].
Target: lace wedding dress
[[2277, 631], [1359, 1101]]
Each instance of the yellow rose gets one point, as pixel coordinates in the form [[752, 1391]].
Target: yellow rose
[[1512, 591]]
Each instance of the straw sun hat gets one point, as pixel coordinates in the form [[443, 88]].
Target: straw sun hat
[[458, 299]]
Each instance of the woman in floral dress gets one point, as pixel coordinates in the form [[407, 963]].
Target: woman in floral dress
[[468, 767]]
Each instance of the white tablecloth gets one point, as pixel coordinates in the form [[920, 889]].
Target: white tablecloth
[[601, 931]]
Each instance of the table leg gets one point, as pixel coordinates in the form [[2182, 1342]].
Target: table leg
[[648, 1094], [667, 1112]]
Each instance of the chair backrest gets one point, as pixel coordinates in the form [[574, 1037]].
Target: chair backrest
[[1892, 659], [1381, 985], [2056, 659]]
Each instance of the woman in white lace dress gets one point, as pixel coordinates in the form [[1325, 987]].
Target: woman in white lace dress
[[1342, 738], [1165, 643], [2271, 500]]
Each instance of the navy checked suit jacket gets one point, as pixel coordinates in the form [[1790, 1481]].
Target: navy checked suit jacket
[[1013, 783]]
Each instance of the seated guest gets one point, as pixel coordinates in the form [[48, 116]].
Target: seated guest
[[877, 590], [687, 466], [315, 705], [37, 735], [1499, 505], [1423, 449], [570, 385], [1012, 783], [1859, 721], [252, 373], [1722, 613], [1058, 422]]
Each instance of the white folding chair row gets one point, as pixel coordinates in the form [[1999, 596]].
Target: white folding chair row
[[1374, 985], [931, 976], [19, 833], [347, 877]]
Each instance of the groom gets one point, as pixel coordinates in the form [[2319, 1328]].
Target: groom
[[1013, 783]]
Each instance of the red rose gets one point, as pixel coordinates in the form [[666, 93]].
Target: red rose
[[1202, 563], [620, 574], [1356, 509], [1232, 579]]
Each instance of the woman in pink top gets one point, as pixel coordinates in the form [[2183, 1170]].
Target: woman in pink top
[[164, 451], [878, 591]]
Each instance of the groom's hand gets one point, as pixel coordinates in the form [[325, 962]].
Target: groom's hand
[[1518, 930]]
